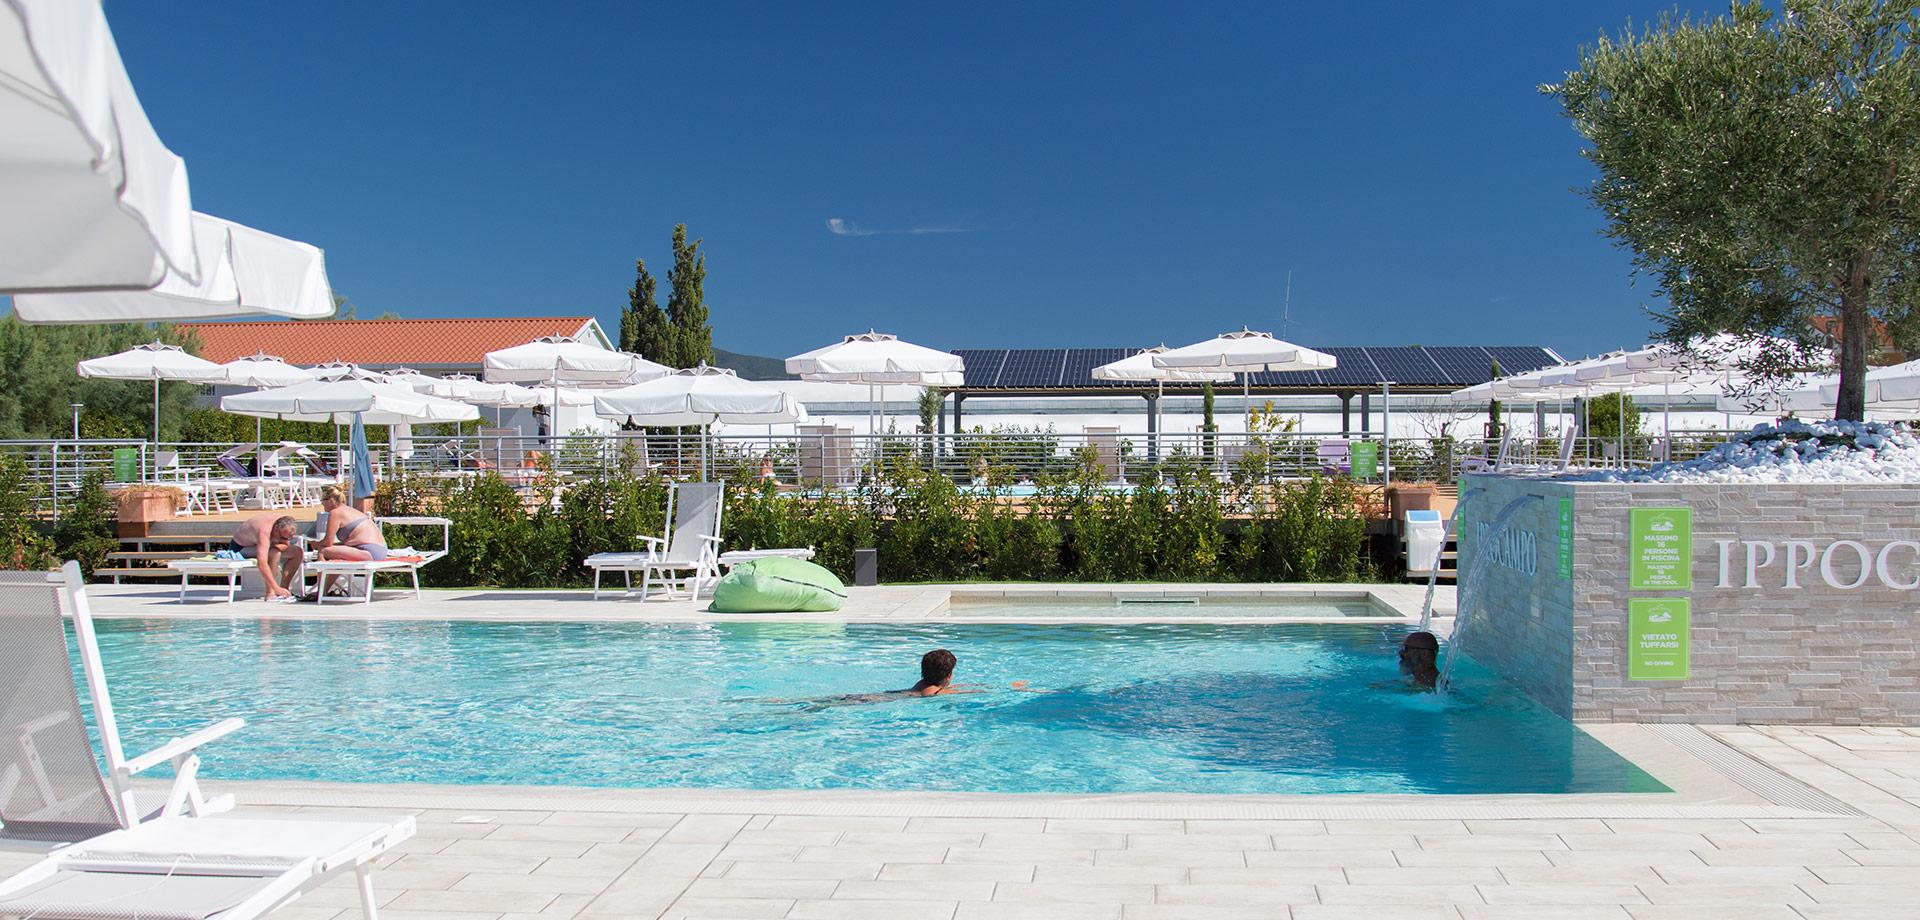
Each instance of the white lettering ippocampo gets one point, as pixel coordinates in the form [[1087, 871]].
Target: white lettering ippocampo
[[1832, 561]]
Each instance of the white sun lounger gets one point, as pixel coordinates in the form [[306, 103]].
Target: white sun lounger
[[690, 548], [119, 859], [358, 576], [229, 569]]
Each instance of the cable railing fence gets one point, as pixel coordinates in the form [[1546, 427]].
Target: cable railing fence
[[827, 458]]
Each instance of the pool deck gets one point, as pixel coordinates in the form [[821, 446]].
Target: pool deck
[[886, 602], [1765, 822]]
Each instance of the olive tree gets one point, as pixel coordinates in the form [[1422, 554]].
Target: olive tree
[[1765, 168]]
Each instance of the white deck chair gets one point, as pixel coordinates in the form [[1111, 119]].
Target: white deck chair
[[120, 860], [1477, 461], [690, 547], [1567, 440], [358, 576]]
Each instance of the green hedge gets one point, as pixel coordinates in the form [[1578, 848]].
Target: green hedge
[[31, 540], [1185, 525]]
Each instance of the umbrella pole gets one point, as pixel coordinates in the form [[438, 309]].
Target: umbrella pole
[[1246, 401], [156, 412], [1666, 411], [1159, 420], [1620, 424]]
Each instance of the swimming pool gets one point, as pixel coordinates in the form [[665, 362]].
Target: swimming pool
[[1191, 708]]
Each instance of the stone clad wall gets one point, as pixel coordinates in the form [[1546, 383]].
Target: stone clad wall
[[1526, 627], [1811, 653]]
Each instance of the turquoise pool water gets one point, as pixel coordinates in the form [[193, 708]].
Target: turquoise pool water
[[1128, 708]]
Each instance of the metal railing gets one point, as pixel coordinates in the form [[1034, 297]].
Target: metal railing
[[59, 467], [832, 459]]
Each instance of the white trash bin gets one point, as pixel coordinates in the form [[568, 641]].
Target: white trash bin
[[1426, 535]]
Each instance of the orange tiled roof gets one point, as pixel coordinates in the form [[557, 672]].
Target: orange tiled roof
[[378, 342]]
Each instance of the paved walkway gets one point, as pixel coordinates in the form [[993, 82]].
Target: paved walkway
[[887, 602], [544, 854]]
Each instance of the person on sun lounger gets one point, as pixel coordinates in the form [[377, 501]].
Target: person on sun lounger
[[269, 539], [351, 535]]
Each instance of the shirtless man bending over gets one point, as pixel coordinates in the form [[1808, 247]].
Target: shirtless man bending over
[[269, 540]]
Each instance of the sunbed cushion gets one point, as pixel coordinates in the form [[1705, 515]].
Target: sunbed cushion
[[778, 585]]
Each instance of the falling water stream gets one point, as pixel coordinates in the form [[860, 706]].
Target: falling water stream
[[1468, 582], [1433, 572]]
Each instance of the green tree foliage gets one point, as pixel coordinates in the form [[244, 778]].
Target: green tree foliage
[[22, 546], [1493, 407], [687, 302], [1766, 169], [644, 329], [38, 384], [85, 529], [932, 399], [1605, 414], [1182, 525]]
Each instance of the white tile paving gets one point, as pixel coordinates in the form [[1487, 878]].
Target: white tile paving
[[551, 854]]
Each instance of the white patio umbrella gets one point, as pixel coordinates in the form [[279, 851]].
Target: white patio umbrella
[[699, 396], [1140, 367], [1245, 353], [555, 360], [504, 396], [93, 199], [1893, 384], [338, 401], [155, 361], [1803, 393], [339, 370], [879, 360], [643, 370], [265, 371], [243, 272], [342, 400]]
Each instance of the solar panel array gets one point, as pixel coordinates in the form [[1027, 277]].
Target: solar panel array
[[1359, 368]]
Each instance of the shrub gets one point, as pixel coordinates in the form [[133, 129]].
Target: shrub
[[22, 545], [84, 532], [1183, 525]]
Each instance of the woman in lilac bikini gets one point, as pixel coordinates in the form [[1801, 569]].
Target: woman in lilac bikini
[[350, 536]]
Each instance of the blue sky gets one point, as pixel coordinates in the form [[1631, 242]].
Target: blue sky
[[965, 175]]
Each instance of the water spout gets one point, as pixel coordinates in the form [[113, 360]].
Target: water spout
[[1468, 581], [1433, 571]]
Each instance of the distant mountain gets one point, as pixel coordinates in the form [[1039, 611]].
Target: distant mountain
[[751, 367]]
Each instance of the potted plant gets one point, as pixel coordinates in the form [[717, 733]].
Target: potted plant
[[138, 506], [1403, 497]]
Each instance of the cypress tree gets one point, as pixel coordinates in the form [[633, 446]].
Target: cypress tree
[[687, 302], [644, 329], [1493, 407]]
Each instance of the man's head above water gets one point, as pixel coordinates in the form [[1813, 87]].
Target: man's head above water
[[1420, 658], [936, 667]]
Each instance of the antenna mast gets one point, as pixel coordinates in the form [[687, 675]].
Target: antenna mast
[[1286, 307]]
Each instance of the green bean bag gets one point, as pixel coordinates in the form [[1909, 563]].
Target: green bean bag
[[778, 585]]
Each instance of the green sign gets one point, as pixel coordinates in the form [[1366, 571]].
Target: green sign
[[1566, 538], [1365, 457], [1660, 549], [1657, 638], [126, 464]]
